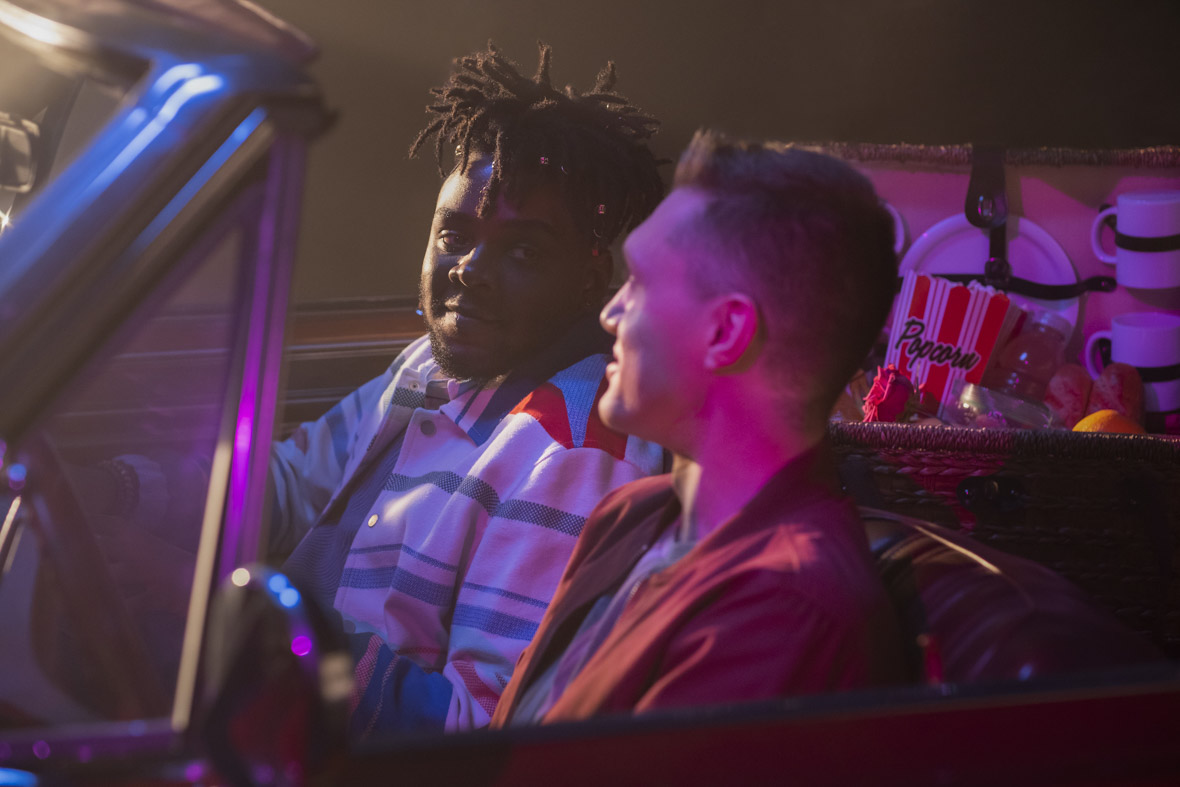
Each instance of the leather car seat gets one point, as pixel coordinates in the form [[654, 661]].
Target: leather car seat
[[970, 612]]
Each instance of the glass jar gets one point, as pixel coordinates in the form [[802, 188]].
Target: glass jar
[[1027, 362]]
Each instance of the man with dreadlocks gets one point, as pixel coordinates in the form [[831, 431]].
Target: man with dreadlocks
[[444, 497]]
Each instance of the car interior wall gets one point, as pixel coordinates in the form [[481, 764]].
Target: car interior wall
[[1085, 74]]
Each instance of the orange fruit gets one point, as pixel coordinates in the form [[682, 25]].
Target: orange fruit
[[1108, 421]]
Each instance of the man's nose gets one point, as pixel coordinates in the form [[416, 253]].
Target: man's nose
[[471, 270], [609, 316]]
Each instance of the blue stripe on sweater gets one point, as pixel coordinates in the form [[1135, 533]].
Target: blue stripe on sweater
[[471, 401], [493, 622], [427, 559], [444, 480], [483, 494], [543, 515], [536, 602], [404, 397], [579, 385], [399, 579], [422, 589]]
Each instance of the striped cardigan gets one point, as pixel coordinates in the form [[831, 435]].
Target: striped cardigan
[[451, 571]]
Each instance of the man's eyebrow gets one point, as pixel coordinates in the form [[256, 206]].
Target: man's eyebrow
[[514, 225], [447, 214]]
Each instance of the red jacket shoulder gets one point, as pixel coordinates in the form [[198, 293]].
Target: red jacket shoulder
[[619, 512]]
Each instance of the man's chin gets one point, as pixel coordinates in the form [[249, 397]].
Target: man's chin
[[612, 413], [615, 415], [463, 362]]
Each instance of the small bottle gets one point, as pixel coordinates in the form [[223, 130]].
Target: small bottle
[[1027, 362]]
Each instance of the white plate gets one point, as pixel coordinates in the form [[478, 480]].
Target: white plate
[[899, 228], [954, 245]]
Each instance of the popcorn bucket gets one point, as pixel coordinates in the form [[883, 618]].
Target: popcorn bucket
[[942, 332]]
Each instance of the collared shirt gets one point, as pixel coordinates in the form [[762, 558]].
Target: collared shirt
[[474, 517]]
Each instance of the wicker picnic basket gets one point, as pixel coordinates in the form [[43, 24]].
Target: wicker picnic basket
[[1100, 509]]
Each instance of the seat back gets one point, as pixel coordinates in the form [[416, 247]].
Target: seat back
[[970, 612]]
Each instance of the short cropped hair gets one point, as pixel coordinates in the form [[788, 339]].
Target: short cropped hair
[[593, 144], [806, 236]]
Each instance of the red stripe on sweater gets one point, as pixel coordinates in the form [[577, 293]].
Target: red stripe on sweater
[[599, 435], [547, 406], [479, 691]]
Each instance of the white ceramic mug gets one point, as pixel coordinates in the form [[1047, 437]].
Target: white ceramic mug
[[1149, 341], [1147, 239]]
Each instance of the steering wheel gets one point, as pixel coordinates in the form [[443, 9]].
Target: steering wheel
[[105, 630]]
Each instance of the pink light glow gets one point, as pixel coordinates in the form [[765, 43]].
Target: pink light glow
[[242, 438], [301, 645]]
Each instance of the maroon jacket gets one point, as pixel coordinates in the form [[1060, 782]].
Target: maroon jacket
[[781, 599]]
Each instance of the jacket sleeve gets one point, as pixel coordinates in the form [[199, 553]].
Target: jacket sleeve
[[308, 467], [500, 599]]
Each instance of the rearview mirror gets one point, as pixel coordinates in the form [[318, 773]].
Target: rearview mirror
[[19, 147]]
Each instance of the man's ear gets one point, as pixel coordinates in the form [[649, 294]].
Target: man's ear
[[736, 334]]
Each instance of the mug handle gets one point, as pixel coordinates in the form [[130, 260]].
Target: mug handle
[[1088, 353], [1096, 234]]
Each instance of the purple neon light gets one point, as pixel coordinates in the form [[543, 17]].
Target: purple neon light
[[274, 256], [247, 411], [240, 464], [242, 438], [301, 645]]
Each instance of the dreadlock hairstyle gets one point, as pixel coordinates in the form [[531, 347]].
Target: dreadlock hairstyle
[[593, 144]]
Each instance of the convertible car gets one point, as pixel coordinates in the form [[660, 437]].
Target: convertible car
[[151, 162]]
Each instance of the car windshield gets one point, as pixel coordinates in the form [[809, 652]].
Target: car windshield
[[49, 111], [102, 530]]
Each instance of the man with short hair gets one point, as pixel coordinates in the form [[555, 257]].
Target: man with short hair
[[447, 494], [757, 287]]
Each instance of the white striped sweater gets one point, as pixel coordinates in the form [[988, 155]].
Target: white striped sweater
[[455, 563]]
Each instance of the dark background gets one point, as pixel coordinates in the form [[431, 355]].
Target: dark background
[[1081, 74]]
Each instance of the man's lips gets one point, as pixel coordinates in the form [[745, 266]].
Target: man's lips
[[471, 312], [612, 366]]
